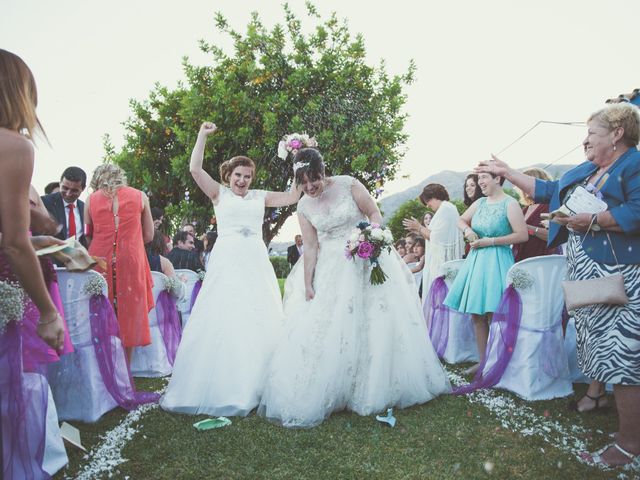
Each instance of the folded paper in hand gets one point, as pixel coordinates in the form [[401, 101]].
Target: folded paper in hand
[[71, 254], [579, 201]]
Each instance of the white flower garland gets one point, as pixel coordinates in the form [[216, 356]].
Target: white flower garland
[[450, 273], [95, 286], [520, 279]]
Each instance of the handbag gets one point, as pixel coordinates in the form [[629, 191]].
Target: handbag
[[607, 290]]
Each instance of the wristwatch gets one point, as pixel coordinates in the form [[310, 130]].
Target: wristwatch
[[594, 223]]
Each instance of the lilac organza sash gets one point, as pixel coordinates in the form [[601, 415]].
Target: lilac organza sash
[[506, 319], [104, 327], [439, 315], [169, 324], [551, 350], [22, 419], [194, 294]]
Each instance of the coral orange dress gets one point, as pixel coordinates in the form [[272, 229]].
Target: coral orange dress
[[128, 274]]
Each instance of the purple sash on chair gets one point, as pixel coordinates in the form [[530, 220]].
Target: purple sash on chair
[[169, 323], [505, 325], [439, 316], [104, 330], [194, 294]]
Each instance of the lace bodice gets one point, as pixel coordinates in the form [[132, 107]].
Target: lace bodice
[[237, 215], [334, 213], [490, 219]]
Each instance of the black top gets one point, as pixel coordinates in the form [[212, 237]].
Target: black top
[[184, 259]]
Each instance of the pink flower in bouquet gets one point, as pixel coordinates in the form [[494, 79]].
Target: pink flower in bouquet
[[347, 253], [365, 250], [295, 144], [375, 225]]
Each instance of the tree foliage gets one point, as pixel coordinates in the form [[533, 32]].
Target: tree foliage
[[414, 209], [276, 81]]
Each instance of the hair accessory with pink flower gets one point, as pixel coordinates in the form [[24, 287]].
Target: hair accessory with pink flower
[[290, 144]]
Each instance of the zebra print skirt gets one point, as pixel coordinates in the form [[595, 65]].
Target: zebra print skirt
[[608, 336]]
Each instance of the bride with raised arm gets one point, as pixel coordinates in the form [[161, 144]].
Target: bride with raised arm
[[237, 318], [347, 343]]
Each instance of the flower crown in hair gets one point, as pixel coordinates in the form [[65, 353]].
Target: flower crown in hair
[[290, 144]]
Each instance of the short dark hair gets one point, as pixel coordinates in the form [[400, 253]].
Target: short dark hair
[[51, 186], [433, 190], [75, 174], [156, 213], [313, 165], [181, 236], [502, 179], [419, 241]]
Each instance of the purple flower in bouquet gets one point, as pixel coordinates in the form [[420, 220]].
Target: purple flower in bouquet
[[365, 250], [295, 144]]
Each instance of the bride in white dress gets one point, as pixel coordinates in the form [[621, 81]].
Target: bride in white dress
[[346, 344], [235, 323]]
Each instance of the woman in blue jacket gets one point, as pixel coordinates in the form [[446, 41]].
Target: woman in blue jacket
[[608, 336]]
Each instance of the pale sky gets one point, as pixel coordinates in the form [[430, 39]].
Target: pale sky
[[487, 70]]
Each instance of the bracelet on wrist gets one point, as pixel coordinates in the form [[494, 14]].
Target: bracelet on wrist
[[50, 321], [493, 241]]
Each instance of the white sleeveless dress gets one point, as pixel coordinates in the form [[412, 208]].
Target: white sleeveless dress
[[355, 345], [235, 323]]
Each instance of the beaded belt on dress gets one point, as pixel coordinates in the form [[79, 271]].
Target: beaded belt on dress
[[242, 232]]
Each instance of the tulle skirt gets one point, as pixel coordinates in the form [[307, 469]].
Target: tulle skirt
[[355, 345], [233, 329]]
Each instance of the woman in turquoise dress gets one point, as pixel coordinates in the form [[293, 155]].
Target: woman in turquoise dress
[[491, 225]]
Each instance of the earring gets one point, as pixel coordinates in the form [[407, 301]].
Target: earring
[[614, 147]]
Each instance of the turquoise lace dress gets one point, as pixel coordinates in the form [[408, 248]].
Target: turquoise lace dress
[[481, 279]]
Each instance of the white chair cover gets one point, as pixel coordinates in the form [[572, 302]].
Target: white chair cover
[[529, 374], [151, 360], [76, 382], [461, 346], [189, 278], [55, 455]]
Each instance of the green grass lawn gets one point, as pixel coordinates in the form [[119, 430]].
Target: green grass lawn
[[449, 437]]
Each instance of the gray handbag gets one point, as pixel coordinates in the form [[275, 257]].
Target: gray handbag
[[607, 290]]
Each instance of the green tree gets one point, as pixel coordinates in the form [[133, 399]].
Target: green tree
[[410, 208], [276, 81], [414, 208]]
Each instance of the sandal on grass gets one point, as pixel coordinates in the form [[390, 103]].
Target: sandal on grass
[[596, 459], [601, 404]]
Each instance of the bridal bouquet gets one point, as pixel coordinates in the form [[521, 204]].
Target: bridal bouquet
[[290, 144], [367, 241]]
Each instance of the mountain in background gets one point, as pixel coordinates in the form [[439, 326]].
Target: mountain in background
[[453, 182]]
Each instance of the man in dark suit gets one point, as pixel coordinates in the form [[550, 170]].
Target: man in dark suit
[[183, 254], [65, 207], [295, 251]]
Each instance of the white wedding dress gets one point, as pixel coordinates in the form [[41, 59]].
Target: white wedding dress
[[235, 323], [355, 345]]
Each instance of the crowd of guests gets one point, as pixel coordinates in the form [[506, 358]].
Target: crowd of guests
[[118, 225]]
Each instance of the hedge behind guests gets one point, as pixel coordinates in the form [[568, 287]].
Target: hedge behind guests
[[280, 266]]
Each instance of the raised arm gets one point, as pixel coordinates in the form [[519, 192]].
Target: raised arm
[[365, 203], [282, 199], [310, 254], [147, 220], [207, 184], [496, 166]]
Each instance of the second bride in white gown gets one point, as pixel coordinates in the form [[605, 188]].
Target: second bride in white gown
[[346, 344], [227, 344]]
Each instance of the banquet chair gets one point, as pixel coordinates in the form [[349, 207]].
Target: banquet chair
[[189, 278], [78, 387], [538, 369], [151, 360], [461, 345]]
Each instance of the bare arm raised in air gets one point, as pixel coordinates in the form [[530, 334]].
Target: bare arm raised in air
[[207, 184]]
